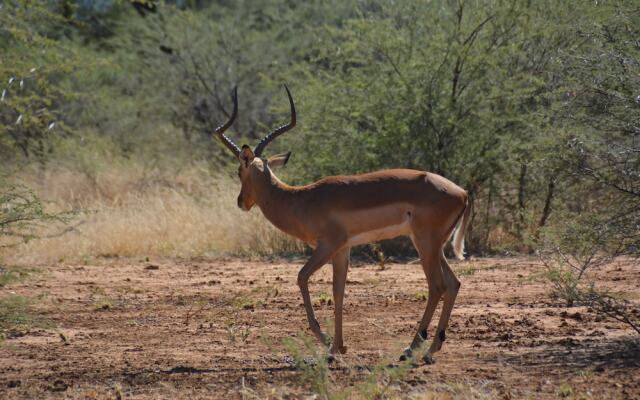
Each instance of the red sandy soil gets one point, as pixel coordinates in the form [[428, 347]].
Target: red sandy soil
[[215, 329]]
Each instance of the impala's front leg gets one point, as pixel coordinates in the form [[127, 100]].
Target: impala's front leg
[[320, 257], [340, 267]]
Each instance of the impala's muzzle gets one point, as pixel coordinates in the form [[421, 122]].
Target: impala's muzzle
[[245, 203], [241, 203]]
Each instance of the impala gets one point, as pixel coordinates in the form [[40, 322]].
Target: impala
[[339, 212]]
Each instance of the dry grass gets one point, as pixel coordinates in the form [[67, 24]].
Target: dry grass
[[131, 211]]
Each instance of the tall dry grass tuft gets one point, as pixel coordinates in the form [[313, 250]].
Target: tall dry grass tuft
[[131, 211]]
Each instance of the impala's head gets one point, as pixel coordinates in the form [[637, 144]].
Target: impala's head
[[252, 166]]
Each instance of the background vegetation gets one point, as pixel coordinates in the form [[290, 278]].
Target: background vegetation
[[107, 110]]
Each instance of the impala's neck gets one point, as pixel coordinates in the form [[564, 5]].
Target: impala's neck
[[277, 201]]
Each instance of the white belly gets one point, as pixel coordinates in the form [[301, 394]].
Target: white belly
[[388, 232]]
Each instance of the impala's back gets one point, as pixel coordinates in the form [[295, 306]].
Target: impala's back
[[379, 205]]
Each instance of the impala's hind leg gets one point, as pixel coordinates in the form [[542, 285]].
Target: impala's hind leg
[[429, 248], [452, 285]]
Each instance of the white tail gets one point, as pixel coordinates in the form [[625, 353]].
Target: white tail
[[461, 229]]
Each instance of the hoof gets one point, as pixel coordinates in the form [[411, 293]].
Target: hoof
[[289, 360], [428, 359], [310, 360], [338, 350], [406, 354]]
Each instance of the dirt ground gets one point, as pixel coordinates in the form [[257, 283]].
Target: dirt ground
[[215, 329]]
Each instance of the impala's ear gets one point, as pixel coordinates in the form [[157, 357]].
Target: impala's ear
[[278, 160], [246, 155]]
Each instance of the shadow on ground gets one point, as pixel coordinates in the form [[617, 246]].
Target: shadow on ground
[[618, 353]]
